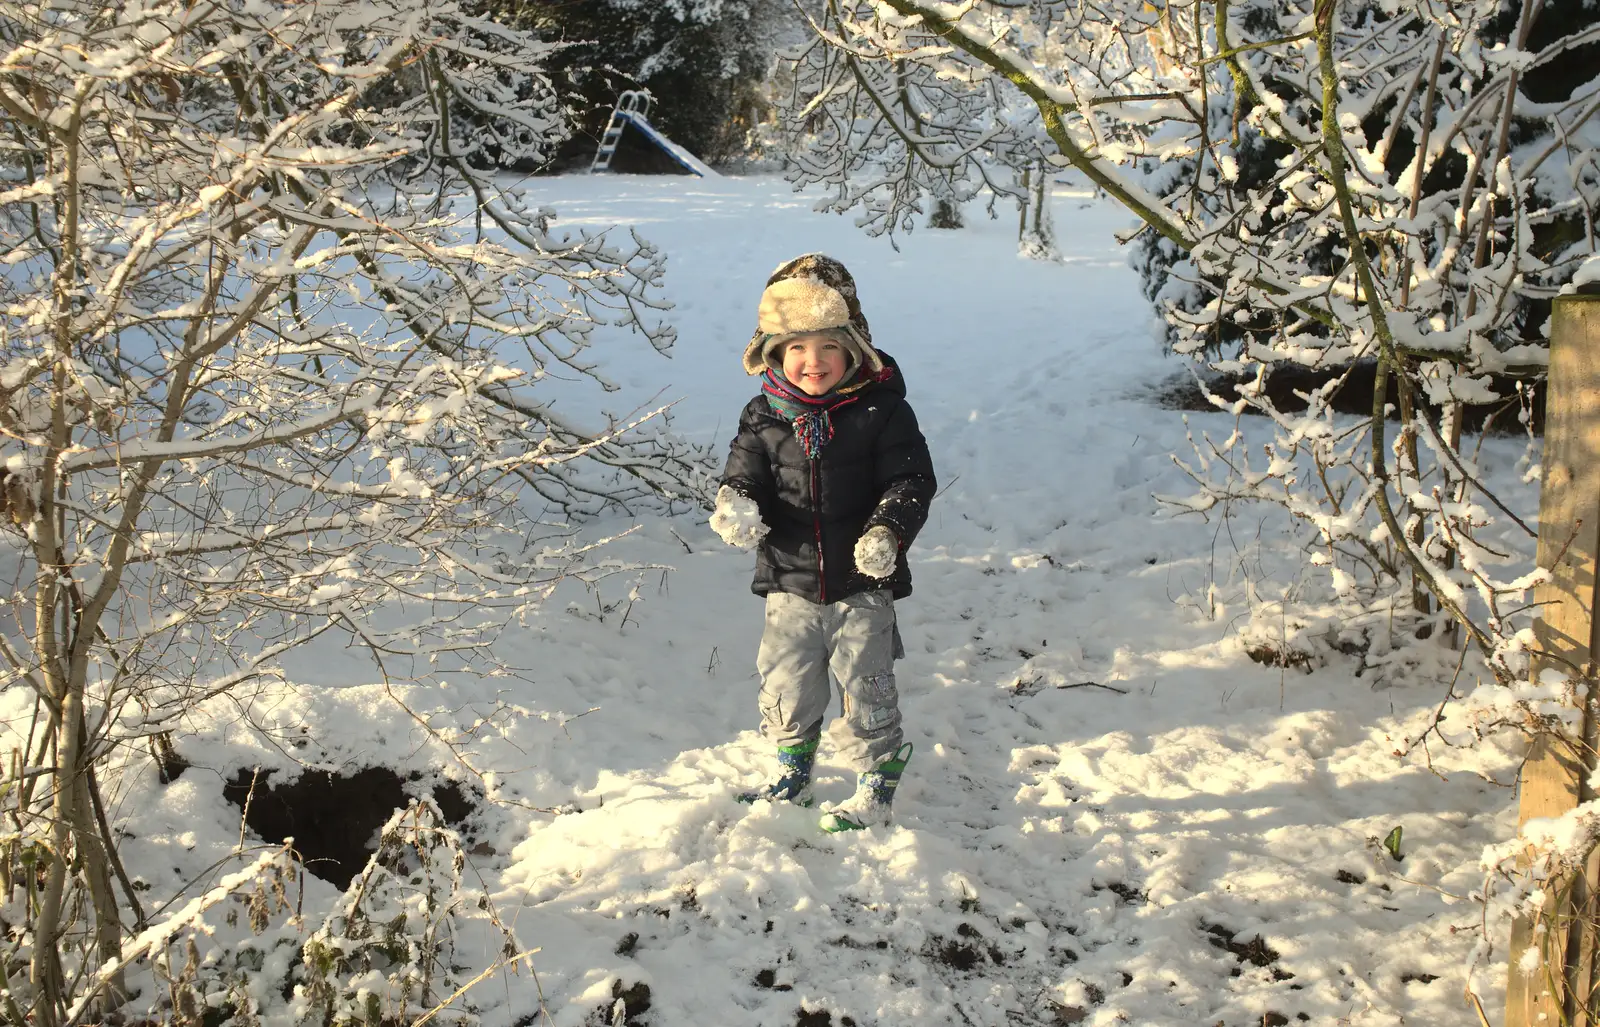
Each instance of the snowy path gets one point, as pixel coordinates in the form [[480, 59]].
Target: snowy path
[[1061, 855], [1184, 841]]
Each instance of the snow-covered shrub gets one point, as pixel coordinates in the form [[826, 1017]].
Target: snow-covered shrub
[[1365, 185], [1442, 74], [239, 983], [405, 941], [1419, 222], [388, 952], [277, 362]]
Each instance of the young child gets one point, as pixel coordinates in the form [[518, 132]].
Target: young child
[[829, 479]]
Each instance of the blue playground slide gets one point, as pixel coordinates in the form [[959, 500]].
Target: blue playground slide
[[694, 164]]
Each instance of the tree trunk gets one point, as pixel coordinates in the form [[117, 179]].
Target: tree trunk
[[1022, 213]]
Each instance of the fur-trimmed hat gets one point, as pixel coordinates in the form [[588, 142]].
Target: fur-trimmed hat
[[810, 294]]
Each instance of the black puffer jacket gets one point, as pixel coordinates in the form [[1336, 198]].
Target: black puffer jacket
[[875, 470]]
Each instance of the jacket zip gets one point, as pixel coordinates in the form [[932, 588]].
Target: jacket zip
[[816, 523]]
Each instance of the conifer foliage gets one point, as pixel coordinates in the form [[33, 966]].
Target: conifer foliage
[[703, 60]]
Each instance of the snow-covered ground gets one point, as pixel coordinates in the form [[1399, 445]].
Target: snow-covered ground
[[1112, 815]]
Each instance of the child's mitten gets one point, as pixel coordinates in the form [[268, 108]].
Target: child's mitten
[[737, 519], [876, 552]]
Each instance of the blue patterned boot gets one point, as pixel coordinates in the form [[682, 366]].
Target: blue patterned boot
[[793, 783], [874, 798]]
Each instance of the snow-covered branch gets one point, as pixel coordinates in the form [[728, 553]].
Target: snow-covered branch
[[1374, 198], [274, 357]]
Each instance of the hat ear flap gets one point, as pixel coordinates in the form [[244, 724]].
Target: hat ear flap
[[755, 353], [869, 356]]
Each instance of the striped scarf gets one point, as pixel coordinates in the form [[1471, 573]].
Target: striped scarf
[[811, 415]]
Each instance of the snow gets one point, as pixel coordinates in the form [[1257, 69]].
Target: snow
[[1588, 271], [737, 519], [875, 553], [1109, 802]]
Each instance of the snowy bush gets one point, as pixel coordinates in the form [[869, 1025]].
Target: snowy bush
[[277, 355], [400, 946], [1321, 185], [388, 952], [1209, 121]]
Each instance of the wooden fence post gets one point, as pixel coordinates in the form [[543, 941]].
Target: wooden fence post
[[1556, 776]]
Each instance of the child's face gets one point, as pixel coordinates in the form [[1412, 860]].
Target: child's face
[[815, 363]]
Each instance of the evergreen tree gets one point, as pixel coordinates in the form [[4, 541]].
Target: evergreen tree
[[703, 60]]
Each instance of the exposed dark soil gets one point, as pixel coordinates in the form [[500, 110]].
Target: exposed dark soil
[[636, 1002], [965, 952], [1270, 655], [1131, 895], [956, 955], [334, 818], [1255, 951]]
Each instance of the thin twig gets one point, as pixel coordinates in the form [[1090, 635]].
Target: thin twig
[[497, 964], [1438, 714], [244, 814], [1094, 684], [139, 919]]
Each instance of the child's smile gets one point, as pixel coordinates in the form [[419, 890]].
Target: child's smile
[[815, 363]]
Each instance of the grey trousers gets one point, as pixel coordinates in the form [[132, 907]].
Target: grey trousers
[[857, 640]]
